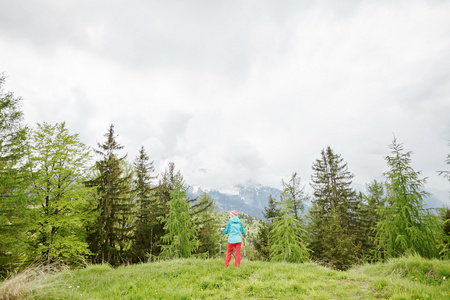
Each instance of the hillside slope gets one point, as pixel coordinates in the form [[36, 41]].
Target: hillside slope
[[404, 278]]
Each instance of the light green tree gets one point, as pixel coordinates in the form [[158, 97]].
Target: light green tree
[[57, 165], [405, 225], [286, 243], [13, 180], [180, 239]]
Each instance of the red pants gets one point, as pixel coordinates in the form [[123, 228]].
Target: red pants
[[237, 259]]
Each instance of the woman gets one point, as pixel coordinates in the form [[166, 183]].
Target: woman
[[234, 228]]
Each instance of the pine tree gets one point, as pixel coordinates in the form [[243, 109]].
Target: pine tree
[[206, 225], [373, 199], [57, 163], [262, 243], [112, 229], [286, 243], [445, 225], [161, 208], [13, 201], [335, 214], [144, 194], [296, 193], [180, 239], [405, 226], [445, 218]]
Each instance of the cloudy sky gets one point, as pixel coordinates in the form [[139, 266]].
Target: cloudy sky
[[240, 91]]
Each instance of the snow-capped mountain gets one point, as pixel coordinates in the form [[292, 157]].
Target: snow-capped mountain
[[252, 199], [248, 199]]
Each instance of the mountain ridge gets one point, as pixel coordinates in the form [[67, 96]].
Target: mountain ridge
[[254, 198]]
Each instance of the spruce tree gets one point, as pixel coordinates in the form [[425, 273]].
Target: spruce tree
[[335, 214], [296, 193], [262, 243], [405, 226], [161, 208], [372, 201], [206, 225], [144, 194], [113, 226], [286, 243], [180, 239]]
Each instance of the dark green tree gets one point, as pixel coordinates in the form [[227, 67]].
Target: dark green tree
[[372, 201], [445, 219], [58, 161], [13, 180], [145, 198], [206, 225], [112, 230], [262, 242], [406, 226], [335, 214], [163, 195]]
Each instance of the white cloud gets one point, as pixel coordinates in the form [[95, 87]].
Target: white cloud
[[242, 90]]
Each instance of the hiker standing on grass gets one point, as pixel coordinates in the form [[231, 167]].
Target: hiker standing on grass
[[234, 228]]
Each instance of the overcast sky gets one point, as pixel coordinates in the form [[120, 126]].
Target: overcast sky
[[239, 91]]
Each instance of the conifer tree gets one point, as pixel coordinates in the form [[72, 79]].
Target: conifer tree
[[206, 225], [13, 200], [58, 162], [165, 185], [296, 193], [405, 226], [445, 225], [335, 214], [445, 219], [373, 199], [180, 239], [262, 243], [144, 194], [113, 226], [286, 243]]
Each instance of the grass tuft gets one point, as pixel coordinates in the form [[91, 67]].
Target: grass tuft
[[16, 285]]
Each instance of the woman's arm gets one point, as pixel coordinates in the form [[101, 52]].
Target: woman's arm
[[226, 230]]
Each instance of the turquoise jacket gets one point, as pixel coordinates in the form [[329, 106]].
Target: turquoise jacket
[[234, 227]]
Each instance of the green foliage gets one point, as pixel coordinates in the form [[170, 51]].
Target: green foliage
[[111, 234], [145, 197], [445, 225], [403, 278], [180, 239], [262, 243], [206, 224], [405, 226], [335, 218], [57, 161], [296, 194], [372, 200], [13, 209], [286, 243]]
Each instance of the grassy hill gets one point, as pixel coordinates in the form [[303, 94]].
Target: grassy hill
[[404, 278]]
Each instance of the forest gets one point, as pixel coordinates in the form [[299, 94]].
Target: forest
[[64, 202]]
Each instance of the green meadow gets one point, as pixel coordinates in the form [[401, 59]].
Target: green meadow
[[403, 278]]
